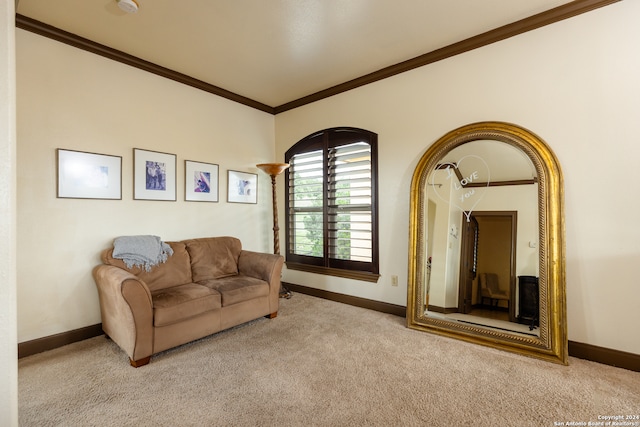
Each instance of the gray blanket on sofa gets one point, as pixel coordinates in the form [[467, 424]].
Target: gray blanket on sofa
[[141, 251]]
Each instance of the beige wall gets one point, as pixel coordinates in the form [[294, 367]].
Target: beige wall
[[8, 312], [574, 83], [71, 99]]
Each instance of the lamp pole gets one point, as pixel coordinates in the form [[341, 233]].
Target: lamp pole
[[273, 170]]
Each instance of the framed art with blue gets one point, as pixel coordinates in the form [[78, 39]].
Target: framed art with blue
[[242, 187], [154, 175], [200, 182]]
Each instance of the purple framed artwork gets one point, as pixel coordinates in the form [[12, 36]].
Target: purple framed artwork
[[154, 175], [200, 181]]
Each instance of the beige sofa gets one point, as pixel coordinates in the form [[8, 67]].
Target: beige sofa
[[207, 285]]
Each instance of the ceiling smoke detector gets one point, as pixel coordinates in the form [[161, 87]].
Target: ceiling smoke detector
[[129, 6]]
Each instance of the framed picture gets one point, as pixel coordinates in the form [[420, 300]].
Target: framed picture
[[88, 175], [154, 175], [242, 187], [200, 181]]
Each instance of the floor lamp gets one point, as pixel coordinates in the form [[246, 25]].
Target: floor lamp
[[273, 170]]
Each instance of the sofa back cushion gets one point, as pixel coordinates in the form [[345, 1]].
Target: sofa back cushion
[[176, 271], [213, 257]]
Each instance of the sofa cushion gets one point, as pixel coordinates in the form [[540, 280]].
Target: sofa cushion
[[235, 289], [213, 257], [171, 305], [176, 271]]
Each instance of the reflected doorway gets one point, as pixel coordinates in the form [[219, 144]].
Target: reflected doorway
[[489, 241]]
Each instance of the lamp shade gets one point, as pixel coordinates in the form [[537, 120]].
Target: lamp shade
[[273, 168]]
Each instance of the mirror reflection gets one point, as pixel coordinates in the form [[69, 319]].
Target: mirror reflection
[[481, 240], [486, 251]]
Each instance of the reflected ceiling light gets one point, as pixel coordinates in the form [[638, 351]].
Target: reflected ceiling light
[[129, 6]]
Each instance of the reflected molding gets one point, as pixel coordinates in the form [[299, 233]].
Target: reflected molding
[[551, 345]]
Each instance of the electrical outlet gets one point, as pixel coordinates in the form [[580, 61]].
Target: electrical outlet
[[394, 280]]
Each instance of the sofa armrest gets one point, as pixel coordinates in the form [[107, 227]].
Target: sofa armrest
[[260, 265], [126, 310], [264, 266]]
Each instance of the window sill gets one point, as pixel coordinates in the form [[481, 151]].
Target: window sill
[[327, 271]]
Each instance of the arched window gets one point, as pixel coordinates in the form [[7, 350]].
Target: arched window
[[332, 204]]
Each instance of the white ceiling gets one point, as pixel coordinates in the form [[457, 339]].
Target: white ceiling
[[277, 51], [494, 161]]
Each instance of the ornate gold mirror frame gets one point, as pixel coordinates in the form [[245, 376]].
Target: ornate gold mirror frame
[[551, 344]]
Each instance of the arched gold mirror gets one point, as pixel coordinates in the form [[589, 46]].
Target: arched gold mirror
[[486, 254]]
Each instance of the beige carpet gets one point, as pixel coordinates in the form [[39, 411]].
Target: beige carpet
[[319, 363]]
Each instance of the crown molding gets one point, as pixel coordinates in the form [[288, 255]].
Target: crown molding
[[551, 16], [46, 30], [548, 17]]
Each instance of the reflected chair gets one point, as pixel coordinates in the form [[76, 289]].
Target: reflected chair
[[489, 288]]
